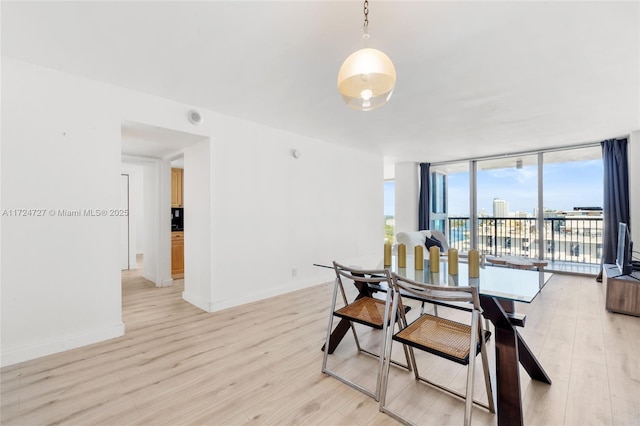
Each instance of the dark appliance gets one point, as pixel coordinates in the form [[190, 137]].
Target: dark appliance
[[177, 219]]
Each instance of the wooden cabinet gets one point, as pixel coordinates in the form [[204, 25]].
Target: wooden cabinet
[[623, 292], [177, 254], [176, 187], [177, 238]]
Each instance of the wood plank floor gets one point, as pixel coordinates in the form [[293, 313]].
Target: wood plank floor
[[260, 364]]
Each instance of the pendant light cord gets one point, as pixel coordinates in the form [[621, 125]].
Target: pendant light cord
[[366, 14], [365, 26]]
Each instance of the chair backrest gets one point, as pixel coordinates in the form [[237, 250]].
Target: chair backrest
[[371, 276], [440, 293]]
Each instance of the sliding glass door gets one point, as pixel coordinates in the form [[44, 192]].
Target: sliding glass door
[[507, 200], [573, 197], [543, 205]]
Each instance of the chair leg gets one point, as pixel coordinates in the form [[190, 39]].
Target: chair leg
[[471, 368], [407, 357], [413, 363], [355, 336], [383, 358], [387, 354], [331, 310], [400, 320], [487, 375]]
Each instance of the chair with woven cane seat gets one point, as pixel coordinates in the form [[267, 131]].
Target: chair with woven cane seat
[[440, 336], [365, 310]]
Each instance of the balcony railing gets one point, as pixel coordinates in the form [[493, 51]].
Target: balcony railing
[[575, 239]]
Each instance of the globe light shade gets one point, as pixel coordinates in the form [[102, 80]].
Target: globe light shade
[[366, 79]]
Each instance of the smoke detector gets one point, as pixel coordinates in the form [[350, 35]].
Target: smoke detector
[[195, 117]]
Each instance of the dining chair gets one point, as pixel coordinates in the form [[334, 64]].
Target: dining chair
[[444, 337], [366, 310]]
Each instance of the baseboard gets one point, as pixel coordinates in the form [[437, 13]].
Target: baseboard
[[254, 297], [196, 301], [16, 355], [149, 277], [158, 282], [213, 306]]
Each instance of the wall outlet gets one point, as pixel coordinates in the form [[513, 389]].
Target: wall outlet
[[294, 272]]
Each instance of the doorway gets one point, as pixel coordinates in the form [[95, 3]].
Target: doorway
[[151, 150]]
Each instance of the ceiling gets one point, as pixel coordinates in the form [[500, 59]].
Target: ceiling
[[141, 140], [475, 78]]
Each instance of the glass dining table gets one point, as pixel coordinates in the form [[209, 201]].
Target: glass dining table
[[499, 288]]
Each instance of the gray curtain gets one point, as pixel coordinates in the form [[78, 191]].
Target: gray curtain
[[423, 200], [616, 196]]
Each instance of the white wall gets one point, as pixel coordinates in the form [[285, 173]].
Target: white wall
[[164, 230], [407, 191], [60, 275], [273, 213], [151, 222], [269, 213], [197, 216]]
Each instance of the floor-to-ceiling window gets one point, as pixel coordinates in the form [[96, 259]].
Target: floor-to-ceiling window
[[546, 205], [573, 197], [389, 210], [507, 200]]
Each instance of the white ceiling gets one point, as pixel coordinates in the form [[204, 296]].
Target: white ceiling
[[475, 78], [140, 140]]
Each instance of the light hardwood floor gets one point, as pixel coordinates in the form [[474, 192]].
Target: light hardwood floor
[[260, 364]]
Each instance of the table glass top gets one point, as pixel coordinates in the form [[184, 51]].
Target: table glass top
[[513, 284], [519, 285]]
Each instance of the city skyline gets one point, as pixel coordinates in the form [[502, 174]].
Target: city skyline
[[566, 185]]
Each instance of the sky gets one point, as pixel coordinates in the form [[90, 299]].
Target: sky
[[389, 197], [566, 185]]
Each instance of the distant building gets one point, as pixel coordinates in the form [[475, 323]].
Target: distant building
[[500, 208], [586, 211], [587, 208], [566, 236]]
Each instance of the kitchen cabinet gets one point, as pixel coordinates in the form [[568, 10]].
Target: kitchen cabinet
[[177, 254], [176, 187]]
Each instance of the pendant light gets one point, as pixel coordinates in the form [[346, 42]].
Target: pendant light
[[367, 77]]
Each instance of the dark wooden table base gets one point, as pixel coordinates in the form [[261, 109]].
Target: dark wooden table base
[[511, 350]]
